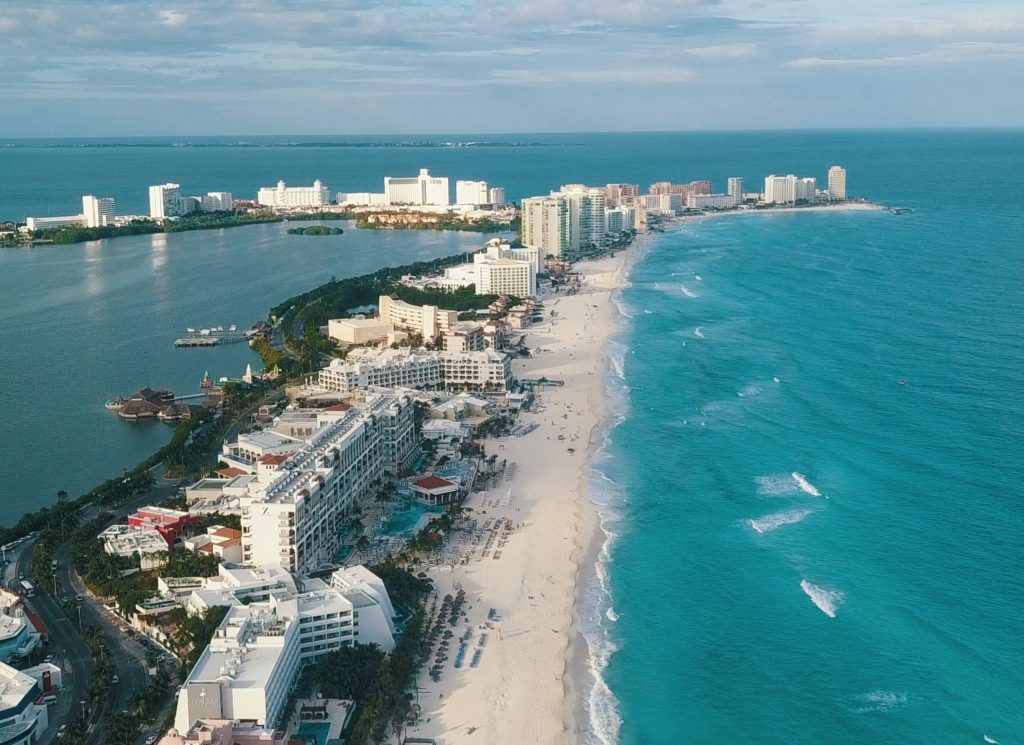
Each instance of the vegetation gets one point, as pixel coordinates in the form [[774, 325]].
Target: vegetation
[[387, 220], [193, 221], [192, 634], [315, 230]]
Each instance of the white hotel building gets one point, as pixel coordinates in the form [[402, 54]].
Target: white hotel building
[[403, 368], [248, 670], [293, 512], [547, 225], [472, 193], [426, 320], [283, 196], [788, 189], [23, 717], [418, 190], [98, 211], [837, 183]]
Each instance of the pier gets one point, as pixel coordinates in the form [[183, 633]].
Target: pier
[[209, 340]]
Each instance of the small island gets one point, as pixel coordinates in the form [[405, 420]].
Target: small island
[[315, 230]]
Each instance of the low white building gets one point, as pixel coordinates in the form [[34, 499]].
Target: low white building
[[283, 196], [23, 719], [247, 671], [220, 541], [359, 330], [426, 320], [417, 190], [361, 199], [395, 368], [472, 192], [710, 201], [35, 224], [128, 540], [466, 336]]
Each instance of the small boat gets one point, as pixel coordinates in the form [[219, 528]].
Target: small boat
[[191, 331], [115, 403], [204, 332], [232, 328], [903, 381]]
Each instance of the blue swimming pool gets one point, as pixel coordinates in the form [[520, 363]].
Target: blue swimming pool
[[314, 733]]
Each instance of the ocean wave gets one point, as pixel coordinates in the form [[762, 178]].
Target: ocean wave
[[749, 390], [990, 740], [698, 278], [648, 312], [805, 485], [622, 307], [698, 333], [611, 615], [776, 485], [879, 701], [828, 601], [776, 520], [688, 292]]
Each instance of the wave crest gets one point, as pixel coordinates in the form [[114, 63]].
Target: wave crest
[[828, 601], [768, 523]]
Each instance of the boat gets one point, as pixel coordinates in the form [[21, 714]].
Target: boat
[[115, 404], [232, 328], [191, 331], [204, 332]]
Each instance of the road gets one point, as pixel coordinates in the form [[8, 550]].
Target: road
[[66, 643]]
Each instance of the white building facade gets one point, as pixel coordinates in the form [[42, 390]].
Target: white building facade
[[23, 720], [837, 182], [547, 225], [734, 189], [165, 201], [283, 196], [472, 192], [98, 211], [418, 190], [426, 320]]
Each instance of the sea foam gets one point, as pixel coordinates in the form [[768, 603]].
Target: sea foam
[[698, 333], [879, 701], [828, 601], [768, 523], [688, 292], [805, 485]]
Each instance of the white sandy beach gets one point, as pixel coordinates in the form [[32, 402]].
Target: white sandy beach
[[518, 691], [528, 685]]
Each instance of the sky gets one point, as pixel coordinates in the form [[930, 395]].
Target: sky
[[194, 67]]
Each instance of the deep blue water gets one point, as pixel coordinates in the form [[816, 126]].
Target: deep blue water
[[914, 543], [765, 346]]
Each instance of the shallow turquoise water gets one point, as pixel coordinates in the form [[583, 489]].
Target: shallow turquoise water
[[806, 548]]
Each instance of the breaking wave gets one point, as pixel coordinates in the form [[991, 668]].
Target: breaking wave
[[768, 523], [828, 601]]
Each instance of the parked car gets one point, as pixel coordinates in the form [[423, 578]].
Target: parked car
[[151, 740], [48, 658]]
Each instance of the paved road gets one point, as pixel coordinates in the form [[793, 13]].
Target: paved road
[[66, 643]]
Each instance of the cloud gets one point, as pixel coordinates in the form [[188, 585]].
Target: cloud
[[960, 52], [725, 51], [173, 18], [603, 76]]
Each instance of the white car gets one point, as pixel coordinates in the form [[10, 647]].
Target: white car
[[151, 740]]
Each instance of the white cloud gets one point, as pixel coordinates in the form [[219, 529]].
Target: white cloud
[[173, 18], [725, 51]]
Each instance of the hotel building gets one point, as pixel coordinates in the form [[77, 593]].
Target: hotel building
[[472, 192], [417, 190], [217, 201], [284, 197], [586, 214], [165, 201], [293, 512], [710, 201], [426, 320], [98, 211], [788, 189], [402, 368], [23, 715], [250, 666], [546, 225], [54, 223], [735, 189], [618, 194], [496, 196], [620, 219], [837, 182]]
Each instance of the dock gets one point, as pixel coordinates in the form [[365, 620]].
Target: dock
[[197, 341], [209, 340]]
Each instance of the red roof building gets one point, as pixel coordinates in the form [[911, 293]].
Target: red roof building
[[435, 491]]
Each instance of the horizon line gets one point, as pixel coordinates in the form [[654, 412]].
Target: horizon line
[[907, 128]]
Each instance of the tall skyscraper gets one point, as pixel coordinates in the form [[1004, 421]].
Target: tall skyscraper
[[496, 194], [586, 214], [98, 211], [780, 189], [837, 182], [735, 189], [165, 201], [546, 225], [621, 193]]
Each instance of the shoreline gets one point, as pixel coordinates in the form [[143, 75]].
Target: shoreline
[[534, 679]]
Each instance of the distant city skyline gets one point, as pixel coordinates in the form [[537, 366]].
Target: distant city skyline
[[245, 67]]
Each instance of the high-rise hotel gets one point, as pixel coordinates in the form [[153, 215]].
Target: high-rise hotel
[[837, 182]]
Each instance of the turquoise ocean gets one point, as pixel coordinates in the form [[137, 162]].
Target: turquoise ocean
[[812, 484], [799, 547]]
